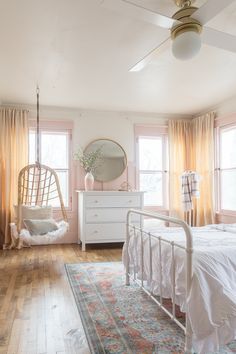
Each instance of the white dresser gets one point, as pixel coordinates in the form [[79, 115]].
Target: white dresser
[[102, 215]]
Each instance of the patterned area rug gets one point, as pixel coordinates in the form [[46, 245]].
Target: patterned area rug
[[122, 319]]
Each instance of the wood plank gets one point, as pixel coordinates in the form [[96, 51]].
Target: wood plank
[[38, 314]]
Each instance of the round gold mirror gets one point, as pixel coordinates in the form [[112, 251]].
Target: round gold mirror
[[112, 161]]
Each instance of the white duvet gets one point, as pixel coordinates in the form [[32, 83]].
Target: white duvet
[[212, 301]]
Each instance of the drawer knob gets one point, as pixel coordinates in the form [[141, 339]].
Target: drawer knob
[[130, 201], [95, 215], [95, 231], [95, 201]]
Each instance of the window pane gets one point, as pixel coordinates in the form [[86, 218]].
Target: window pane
[[228, 190], [32, 147], [54, 149], [152, 184], [228, 147], [64, 185], [150, 154]]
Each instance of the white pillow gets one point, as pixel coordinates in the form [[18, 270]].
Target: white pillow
[[40, 227]]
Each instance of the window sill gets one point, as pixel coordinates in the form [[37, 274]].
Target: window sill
[[225, 217], [70, 213], [157, 209], [226, 213]]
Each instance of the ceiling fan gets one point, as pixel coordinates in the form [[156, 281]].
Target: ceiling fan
[[187, 27]]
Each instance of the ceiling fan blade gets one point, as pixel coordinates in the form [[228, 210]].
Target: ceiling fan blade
[[143, 62], [219, 39], [130, 9], [210, 9]]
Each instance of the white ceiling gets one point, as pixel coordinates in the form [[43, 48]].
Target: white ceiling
[[79, 53]]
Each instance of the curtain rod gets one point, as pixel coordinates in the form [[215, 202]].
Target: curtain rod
[[14, 108]]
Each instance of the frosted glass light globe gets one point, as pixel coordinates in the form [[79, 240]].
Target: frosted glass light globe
[[186, 45]]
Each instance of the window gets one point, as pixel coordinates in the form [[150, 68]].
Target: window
[[227, 169], [54, 152], [152, 166]]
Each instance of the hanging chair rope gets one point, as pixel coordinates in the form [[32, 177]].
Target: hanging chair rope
[[38, 184], [37, 141]]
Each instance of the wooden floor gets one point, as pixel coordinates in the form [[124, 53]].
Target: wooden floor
[[37, 309]]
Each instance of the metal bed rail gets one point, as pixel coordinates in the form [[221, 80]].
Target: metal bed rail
[[188, 248]]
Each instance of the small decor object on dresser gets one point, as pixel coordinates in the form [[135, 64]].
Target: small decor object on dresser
[[89, 161], [88, 181], [125, 186]]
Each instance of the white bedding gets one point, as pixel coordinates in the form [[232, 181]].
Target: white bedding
[[212, 301]]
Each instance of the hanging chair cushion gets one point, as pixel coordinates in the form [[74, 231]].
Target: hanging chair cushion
[[50, 237], [40, 227]]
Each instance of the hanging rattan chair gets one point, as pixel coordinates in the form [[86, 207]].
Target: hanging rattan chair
[[38, 186]]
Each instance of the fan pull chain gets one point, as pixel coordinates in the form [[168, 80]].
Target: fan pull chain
[[187, 3]]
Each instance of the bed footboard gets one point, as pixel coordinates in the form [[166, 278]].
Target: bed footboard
[[188, 248]]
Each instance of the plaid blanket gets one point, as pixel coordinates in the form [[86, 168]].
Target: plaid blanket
[[189, 189]]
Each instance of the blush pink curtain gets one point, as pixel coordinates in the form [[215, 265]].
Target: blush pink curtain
[[191, 147], [203, 143], [13, 157], [180, 139]]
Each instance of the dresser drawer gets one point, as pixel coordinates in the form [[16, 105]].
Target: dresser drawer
[[128, 201], [97, 215], [109, 232], [102, 215]]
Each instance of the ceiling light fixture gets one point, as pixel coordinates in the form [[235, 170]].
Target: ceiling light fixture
[[185, 34], [185, 30]]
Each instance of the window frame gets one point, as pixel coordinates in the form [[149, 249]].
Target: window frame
[[57, 127], [218, 170], [155, 132]]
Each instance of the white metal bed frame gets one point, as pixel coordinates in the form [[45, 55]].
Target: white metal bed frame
[[188, 270]]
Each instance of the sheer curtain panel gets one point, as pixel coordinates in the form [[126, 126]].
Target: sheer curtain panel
[[13, 157], [191, 147], [180, 149], [203, 143]]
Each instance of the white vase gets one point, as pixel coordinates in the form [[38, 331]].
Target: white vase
[[88, 181]]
